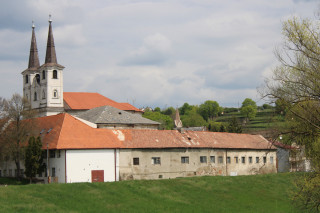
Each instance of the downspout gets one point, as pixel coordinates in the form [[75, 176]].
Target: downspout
[[48, 163], [65, 166], [115, 165]]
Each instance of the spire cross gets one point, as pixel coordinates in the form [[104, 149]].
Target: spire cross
[[50, 20], [33, 24]]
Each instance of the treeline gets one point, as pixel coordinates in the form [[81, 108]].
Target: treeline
[[205, 115]]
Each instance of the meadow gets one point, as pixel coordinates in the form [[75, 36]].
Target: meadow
[[257, 193]]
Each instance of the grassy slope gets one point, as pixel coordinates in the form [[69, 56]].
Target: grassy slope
[[260, 193], [265, 120]]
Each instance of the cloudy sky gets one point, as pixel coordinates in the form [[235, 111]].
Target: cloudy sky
[[151, 53]]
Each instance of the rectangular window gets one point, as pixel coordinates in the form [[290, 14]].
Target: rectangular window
[[135, 161], [264, 159], [203, 159], [53, 174], [10, 172], [243, 159], [271, 160], [236, 159], [257, 159], [220, 159], [52, 153], [59, 153], [250, 159], [156, 160], [16, 173], [0, 174], [213, 159], [4, 173], [184, 159], [228, 160]]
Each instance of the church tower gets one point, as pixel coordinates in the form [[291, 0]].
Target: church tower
[[43, 85]]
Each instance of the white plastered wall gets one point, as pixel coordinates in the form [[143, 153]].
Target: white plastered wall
[[80, 163]]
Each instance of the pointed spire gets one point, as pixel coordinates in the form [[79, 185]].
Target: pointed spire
[[51, 51], [177, 121], [33, 57]]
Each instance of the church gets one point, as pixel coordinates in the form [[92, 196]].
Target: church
[[91, 138]]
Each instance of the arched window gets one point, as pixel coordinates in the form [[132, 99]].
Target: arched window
[[55, 74], [38, 78], [43, 74], [55, 93], [35, 96], [27, 79], [43, 94]]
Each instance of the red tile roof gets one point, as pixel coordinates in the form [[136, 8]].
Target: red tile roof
[[63, 131], [87, 100], [67, 132]]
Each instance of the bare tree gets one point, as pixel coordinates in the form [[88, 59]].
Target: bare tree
[[16, 126], [296, 82]]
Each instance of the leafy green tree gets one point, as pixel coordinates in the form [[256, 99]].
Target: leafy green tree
[[267, 106], [296, 82], [193, 119], [165, 121], [209, 109], [185, 108], [234, 126], [157, 109], [249, 108], [222, 128], [33, 157], [281, 107]]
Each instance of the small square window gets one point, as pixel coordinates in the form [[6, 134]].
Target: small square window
[[271, 160], [156, 160], [185, 160], [52, 153], [250, 159], [203, 159], [135, 161], [264, 159], [243, 159], [213, 159], [220, 159], [236, 159], [228, 160], [257, 159]]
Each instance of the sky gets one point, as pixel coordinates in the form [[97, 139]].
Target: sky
[[151, 53]]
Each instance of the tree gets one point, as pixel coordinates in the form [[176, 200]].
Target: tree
[[165, 121], [209, 110], [15, 131], [248, 108], [185, 108], [281, 107], [193, 119], [234, 126], [296, 82], [33, 157]]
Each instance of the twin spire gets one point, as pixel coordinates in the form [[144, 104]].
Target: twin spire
[[51, 58]]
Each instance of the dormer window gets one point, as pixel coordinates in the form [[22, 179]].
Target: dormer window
[[27, 79], [55, 74], [43, 74]]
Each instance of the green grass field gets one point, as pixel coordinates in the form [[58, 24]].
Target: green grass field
[[260, 193]]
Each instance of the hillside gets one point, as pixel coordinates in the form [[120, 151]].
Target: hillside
[[264, 123], [260, 193]]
